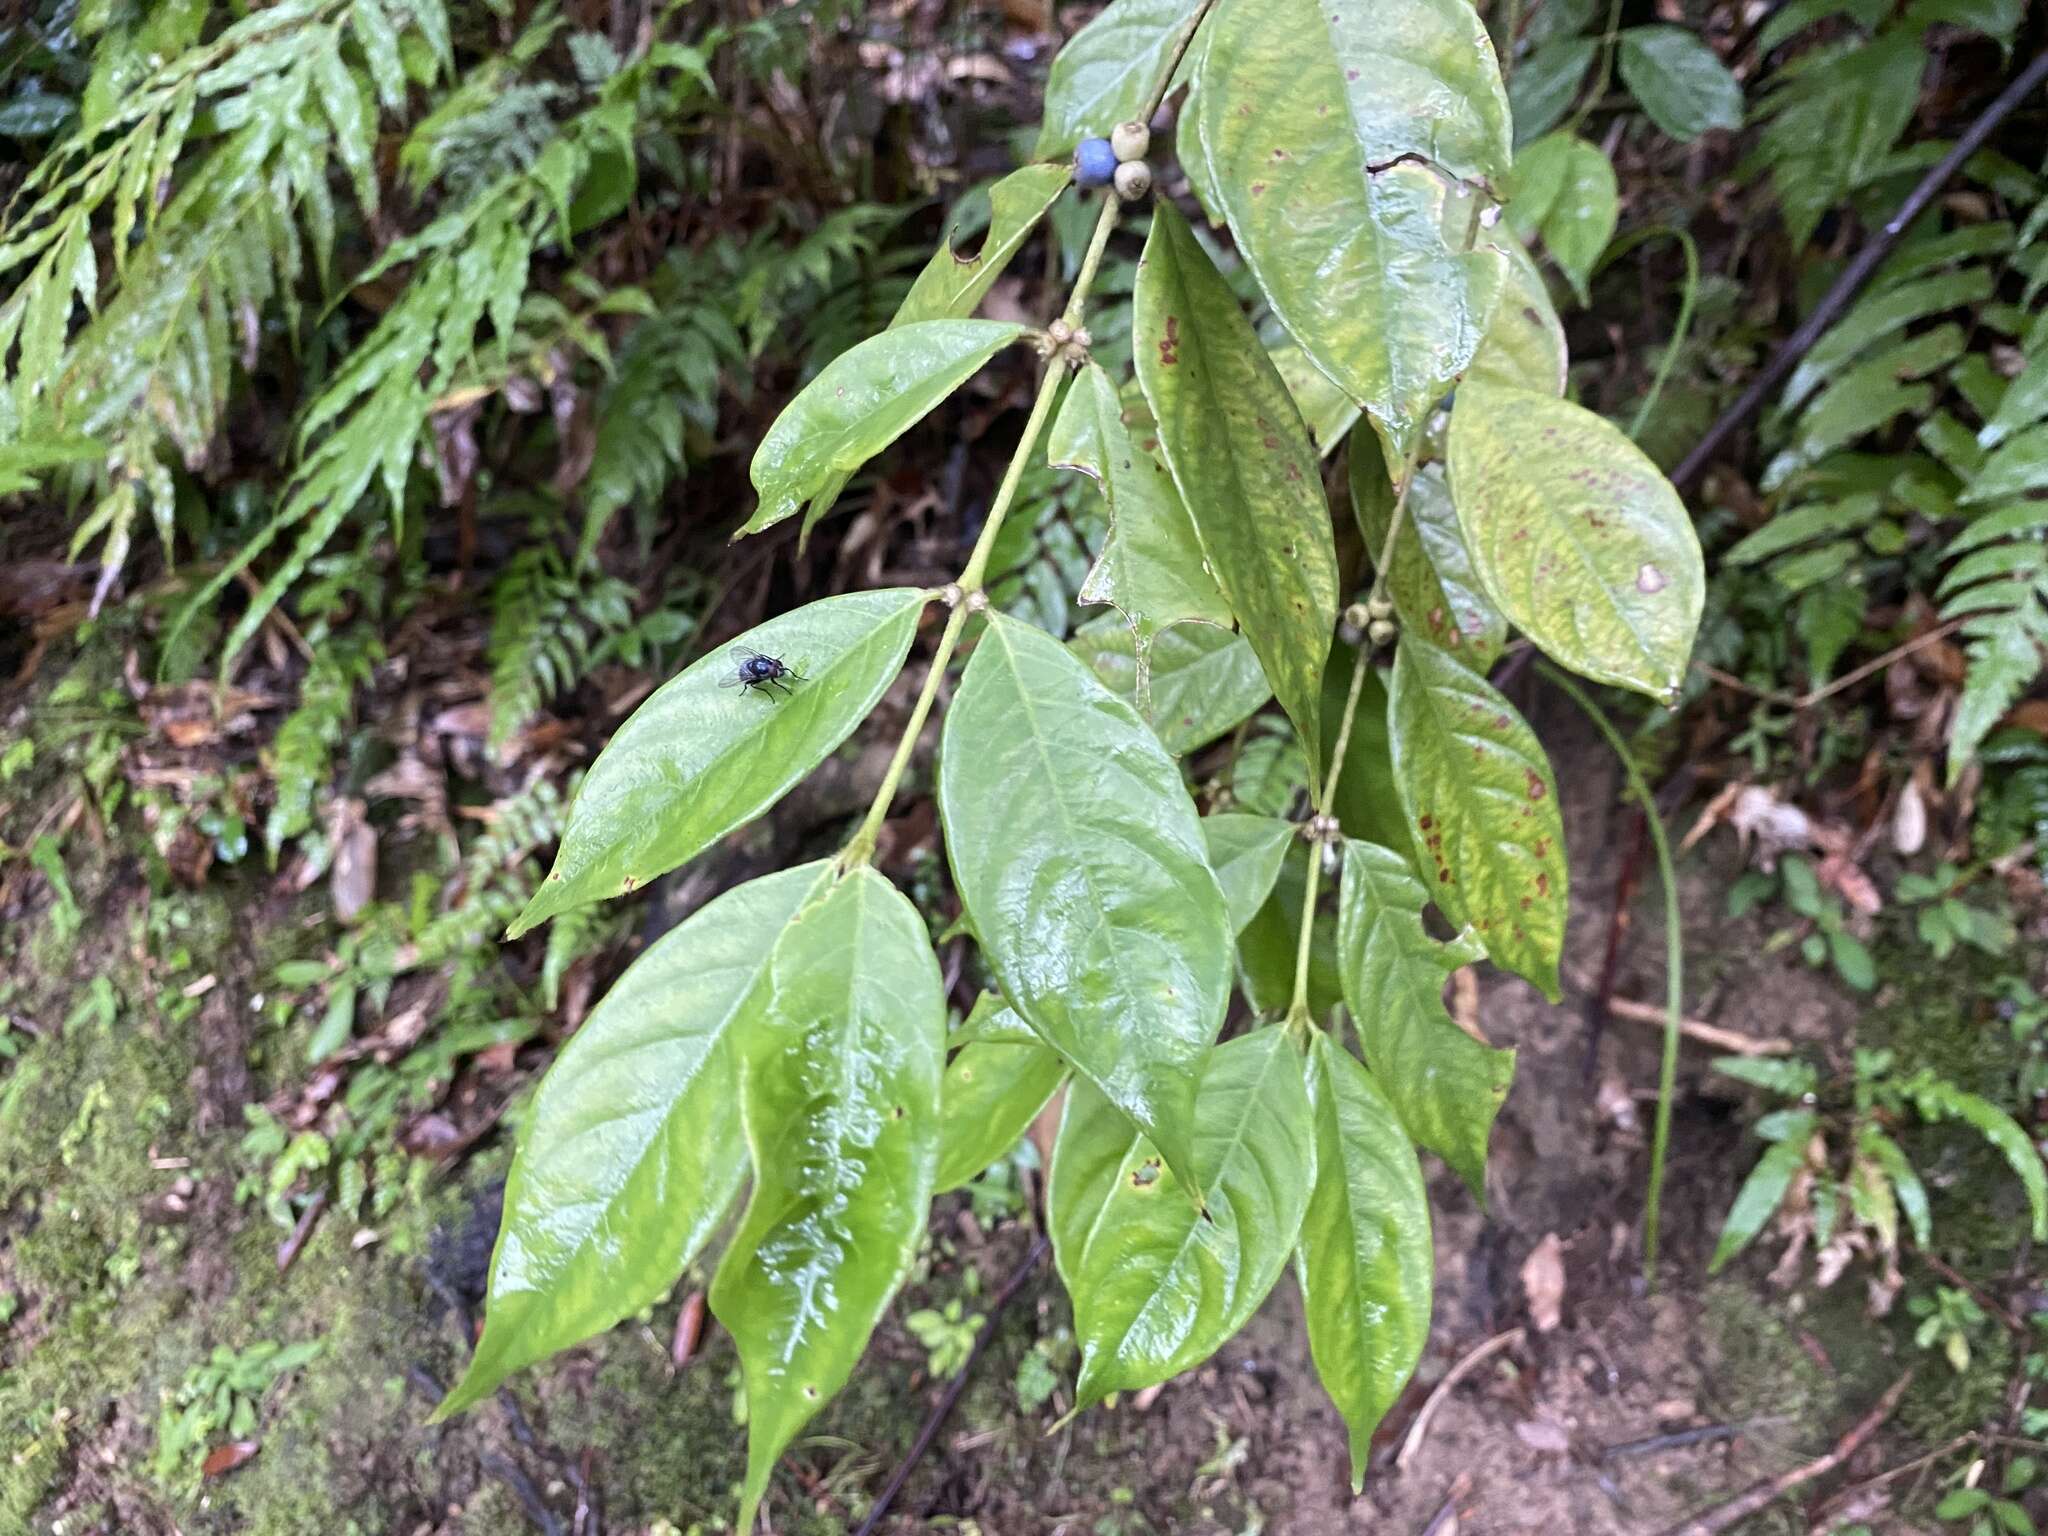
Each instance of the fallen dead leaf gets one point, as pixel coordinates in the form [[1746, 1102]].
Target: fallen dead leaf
[[1543, 1435], [1543, 1283], [223, 1459]]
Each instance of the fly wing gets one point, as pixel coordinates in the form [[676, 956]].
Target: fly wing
[[731, 680]]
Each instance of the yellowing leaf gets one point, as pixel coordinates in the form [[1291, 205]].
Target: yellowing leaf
[[1577, 537]]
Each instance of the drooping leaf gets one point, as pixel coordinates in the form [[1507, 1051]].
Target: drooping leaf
[[862, 401], [1524, 347], [1431, 580], [1246, 852], [991, 1095], [1680, 81], [1157, 1285], [1445, 1085], [1101, 77], [1241, 460], [701, 757], [1762, 1192], [1331, 134], [1581, 208], [1151, 566], [1366, 1265], [1577, 537], [840, 1097], [1912, 1194], [1937, 1099], [952, 285], [1482, 810], [633, 1149], [1205, 681], [1080, 863]]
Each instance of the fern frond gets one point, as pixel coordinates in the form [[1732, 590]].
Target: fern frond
[[1999, 587], [550, 626]]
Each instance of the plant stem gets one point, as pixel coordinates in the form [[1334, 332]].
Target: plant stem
[[1674, 962], [1609, 38], [861, 846], [1681, 327]]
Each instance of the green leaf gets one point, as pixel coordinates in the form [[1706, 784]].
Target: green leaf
[[1832, 122], [1680, 81], [701, 757], [1546, 82], [1578, 538], [1912, 1194], [1205, 681], [1103, 75], [1246, 853], [991, 1095], [1151, 566], [1242, 461], [840, 1097], [1524, 347], [1157, 1285], [1326, 410], [1367, 804], [1079, 861], [1270, 943], [1482, 809], [952, 285], [1331, 139], [1581, 219], [1939, 1100], [1761, 1194], [1366, 1264], [992, 1021], [633, 1149], [1446, 1086], [1431, 582], [862, 401]]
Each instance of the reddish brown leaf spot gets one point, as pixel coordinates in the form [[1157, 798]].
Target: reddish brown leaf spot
[[1169, 344], [1536, 789], [1543, 884]]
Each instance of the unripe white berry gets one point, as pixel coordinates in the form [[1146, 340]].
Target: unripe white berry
[[1130, 140], [1381, 632], [1133, 180]]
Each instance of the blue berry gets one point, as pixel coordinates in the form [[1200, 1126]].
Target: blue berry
[[1094, 162]]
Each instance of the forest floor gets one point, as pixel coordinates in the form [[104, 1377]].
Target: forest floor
[[154, 1258]]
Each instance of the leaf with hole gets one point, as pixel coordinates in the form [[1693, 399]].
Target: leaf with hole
[[1080, 863], [1331, 135], [951, 285], [1366, 1265], [700, 757], [1577, 537], [1446, 1086], [633, 1148], [1157, 1284], [1242, 461], [1482, 810], [860, 403], [839, 1087], [1205, 681]]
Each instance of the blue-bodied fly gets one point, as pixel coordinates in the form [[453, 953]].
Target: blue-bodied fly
[[753, 671]]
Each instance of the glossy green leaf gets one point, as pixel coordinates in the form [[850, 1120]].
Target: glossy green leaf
[[1327, 412], [1577, 537], [1431, 581], [1524, 347], [840, 1097], [993, 1021], [1330, 135], [1482, 811], [1446, 1086], [1366, 805], [991, 1094], [1581, 218], [701, 757], [1242, 461], [862, 401], [1156, 1284], [952, 285], [1937, 1099], [1150, 568], [1762, 1192], [1246, 851], [1103, 75], [1366, 1264], [633, 1149], [1080, 862], [1205, 681], [1270, 944], [1547, 83], [1680, 81]]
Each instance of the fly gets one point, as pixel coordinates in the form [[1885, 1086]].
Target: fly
[[752, 671]]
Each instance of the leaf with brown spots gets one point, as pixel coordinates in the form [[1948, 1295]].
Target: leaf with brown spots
[[1157, 1285], [1242, 461], [1577, 537], [840, 1097], [1445, 1085], [1333, 136], [1482, 810]]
